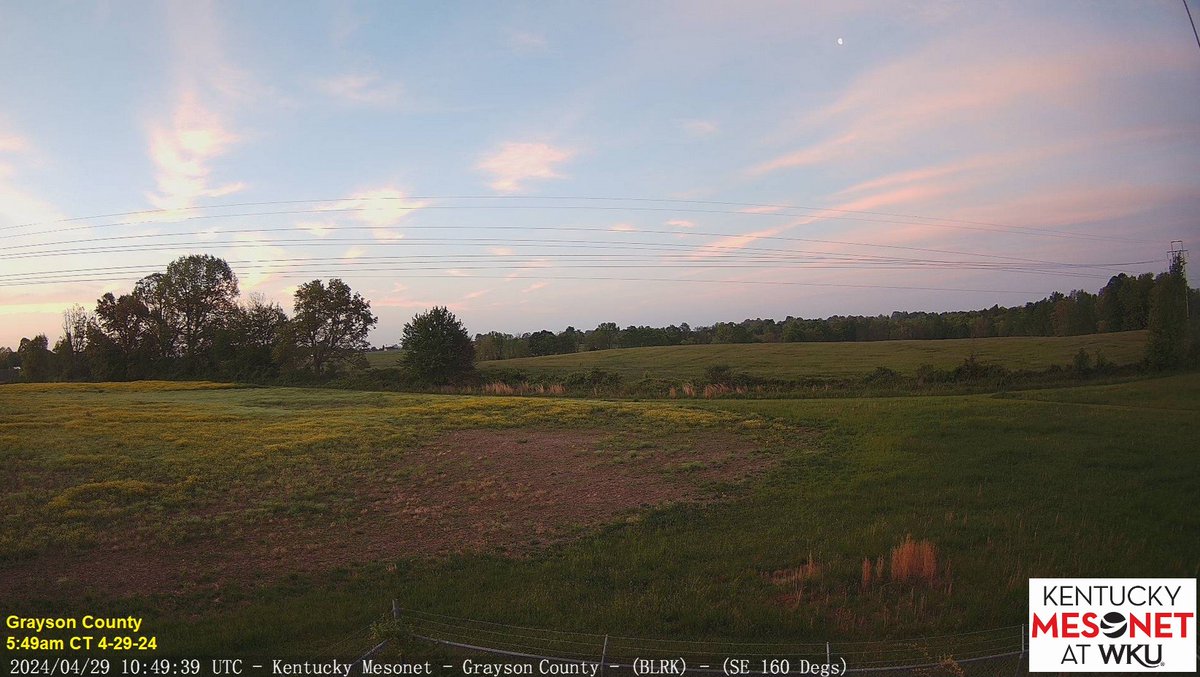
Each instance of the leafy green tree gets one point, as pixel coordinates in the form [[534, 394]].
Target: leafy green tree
[[1169, 341], [191, 301], [603, 337], [329, 325], [119, 345], [543, 342], [437, 347], [245, 347], [35, 358], [71, 363]]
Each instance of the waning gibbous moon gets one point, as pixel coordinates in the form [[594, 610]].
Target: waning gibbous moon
[[840, 42]]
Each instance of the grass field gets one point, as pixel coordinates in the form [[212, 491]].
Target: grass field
[[817, 360], [243, 520]]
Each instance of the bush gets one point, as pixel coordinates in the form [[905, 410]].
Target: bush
[[593, 378], [928, 374], [882, 376], [973, 370], [437, 348], [1082, 364], [718, 374]]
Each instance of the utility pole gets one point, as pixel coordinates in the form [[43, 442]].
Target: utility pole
[[1176, 258]]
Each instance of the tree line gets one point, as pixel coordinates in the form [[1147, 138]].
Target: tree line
[[187, 322], [1127, 302]]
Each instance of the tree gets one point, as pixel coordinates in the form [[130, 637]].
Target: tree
[[245, 347], [330, 323], [543, 342], [71, 346], [437, 347], [118, 345], [1168, 344], [35, 358], [192, 300]]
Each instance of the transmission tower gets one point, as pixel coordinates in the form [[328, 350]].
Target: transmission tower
[[1176, 260]]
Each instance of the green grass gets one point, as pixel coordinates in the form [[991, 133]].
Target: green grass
[[378, 359], [1088, 481], [825, 360]]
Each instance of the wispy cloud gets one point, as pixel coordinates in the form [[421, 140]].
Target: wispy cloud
[[318, 228], [699, 127], [533, 287], [183, 151], [723, 245], [501, 251], [515, 163], [964, 86], [622, 228], [527, 41], [382, 209], [363, 89], [186, 141], [11, 143], [18, 204], [681, 223]]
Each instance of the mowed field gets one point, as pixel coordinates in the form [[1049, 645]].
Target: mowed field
[[824, 360], [252, 520]]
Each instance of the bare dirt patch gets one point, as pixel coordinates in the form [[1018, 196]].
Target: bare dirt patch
[[503, 491]]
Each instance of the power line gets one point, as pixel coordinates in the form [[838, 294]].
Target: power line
[[595, 278], [925, 220], [517, 228], [1192, 22]]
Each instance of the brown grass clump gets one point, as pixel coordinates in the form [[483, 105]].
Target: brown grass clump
[[795, 576], [866, 573], [715, 390], [914, 560], [499, 388]]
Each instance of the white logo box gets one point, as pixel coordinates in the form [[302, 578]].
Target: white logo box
[[1152, 620]]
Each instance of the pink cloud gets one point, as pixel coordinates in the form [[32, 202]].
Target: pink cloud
[[969, 84], [183, 150], [515, 163]]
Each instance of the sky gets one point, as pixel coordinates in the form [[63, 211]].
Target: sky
[[538, 165]]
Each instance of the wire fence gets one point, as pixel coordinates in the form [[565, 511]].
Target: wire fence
[[998, 651]]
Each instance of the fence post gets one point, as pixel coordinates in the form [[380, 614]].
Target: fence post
[[603, 655], [1021, 656], [395, 609], [828, 660]]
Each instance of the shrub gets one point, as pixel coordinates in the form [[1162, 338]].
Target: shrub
[[882, 376], [718, 374], [1082, 362]]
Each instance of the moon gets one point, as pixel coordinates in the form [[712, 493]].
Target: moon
[[840, 42]]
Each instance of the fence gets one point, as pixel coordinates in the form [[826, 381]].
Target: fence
[[999, 651]]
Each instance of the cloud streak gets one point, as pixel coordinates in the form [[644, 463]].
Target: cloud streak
[[362, 89], [183, 151], [514, 164]]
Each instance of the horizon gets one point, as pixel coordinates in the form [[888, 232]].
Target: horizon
[[535, 167]]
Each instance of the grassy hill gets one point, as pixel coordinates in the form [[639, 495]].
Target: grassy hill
[[808, 360]]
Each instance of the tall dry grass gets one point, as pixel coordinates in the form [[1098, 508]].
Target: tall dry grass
[[914, 560]]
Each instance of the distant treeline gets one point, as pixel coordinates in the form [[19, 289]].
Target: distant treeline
[[1125, 303], [188, 322]]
